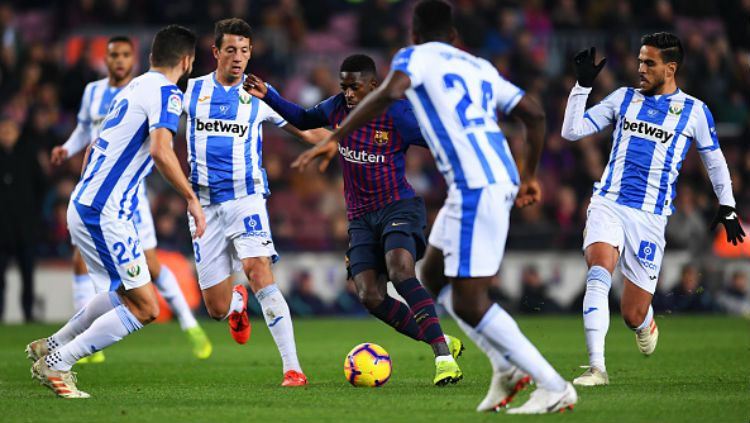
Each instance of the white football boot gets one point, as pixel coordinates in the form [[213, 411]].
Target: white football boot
[[63, 384], [37, 349], [543, 401], [593, 376], [503, 387], [647, 338]]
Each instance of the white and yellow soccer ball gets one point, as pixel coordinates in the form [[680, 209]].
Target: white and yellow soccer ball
[[368, 365]]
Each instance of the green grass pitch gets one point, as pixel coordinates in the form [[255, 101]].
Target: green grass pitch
[[699, 373]]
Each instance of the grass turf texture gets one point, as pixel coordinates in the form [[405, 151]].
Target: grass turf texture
[[699, 373]]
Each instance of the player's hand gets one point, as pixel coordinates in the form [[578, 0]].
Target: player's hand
[[728, 216], [585, 69], [58, 156], [325, 149], [195, 210], [255, 86], [530, 192]]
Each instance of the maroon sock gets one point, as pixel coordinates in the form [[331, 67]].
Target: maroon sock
[[399, 316], [423, 307]]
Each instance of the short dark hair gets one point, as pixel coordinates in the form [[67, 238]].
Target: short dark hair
[[171, 44], [668, 44], [233, 26], [433, 19], [120, 39], [359, 63]]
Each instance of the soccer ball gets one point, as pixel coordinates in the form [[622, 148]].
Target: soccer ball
[[367, 365]]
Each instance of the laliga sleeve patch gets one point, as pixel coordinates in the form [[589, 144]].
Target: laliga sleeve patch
[[174, 104]]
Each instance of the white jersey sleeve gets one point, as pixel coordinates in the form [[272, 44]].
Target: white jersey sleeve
[[81, 136], [164, 110], [707, 143], [267, 114], [579, 122], [507, 94]]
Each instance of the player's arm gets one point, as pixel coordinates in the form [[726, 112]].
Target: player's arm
[[310, 136], [85, 159], [377, 102], [299, 117], [578, 122], [533, 117], [169, 166], [713, 159], [81, 136]]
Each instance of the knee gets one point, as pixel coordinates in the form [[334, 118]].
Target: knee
[[370, 298], [634, 317], [147, 311], [217, 311], [400, 270], [257, 270]]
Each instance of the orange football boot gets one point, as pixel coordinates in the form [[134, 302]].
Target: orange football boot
[[239, 324]]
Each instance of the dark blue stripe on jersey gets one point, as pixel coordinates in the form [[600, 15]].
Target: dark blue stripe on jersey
[[401, 60], [623, 108], [193, 161], [469, 204], [134, 182], [168, 119], [634, 181], [497, 142], [482, 159], [249, 184], [97, 165], [107, 97], [711, 130], [442, 135], [219, 155], [588, 116], [92, 219], [664, 180], [122, 163]]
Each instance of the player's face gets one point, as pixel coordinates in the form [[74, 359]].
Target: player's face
[[355, 87], [120, 60], [652, 70], [233, 56]]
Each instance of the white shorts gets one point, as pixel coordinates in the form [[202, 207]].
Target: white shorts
[[109, 246], [143, 220], [235, 229], [637, 235], [471, 229]]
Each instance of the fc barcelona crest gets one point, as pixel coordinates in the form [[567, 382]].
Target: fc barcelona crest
[[382, 137]]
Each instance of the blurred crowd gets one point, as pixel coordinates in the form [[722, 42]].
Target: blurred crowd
[[298, 45]]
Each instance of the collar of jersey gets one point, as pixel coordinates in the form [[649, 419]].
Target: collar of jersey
[[662, 97], [219, 84]]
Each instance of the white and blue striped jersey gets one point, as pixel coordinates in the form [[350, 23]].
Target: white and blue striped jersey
[[120, 158], [225, 140], [455, 97], [95, 102], [652, 135]]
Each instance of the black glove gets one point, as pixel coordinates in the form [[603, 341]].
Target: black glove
[[585, 68], [728, 216]]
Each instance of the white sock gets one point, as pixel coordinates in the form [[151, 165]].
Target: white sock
[[83, 290], [499, 363], [109, 328], [503, 332], [169, 288], [236, 305], [99, 304], [596, 313], [646, 321], [279, 321]]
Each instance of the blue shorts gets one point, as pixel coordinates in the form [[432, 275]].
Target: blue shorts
[[398, 225]]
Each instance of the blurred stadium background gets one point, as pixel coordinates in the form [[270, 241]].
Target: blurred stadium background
[[50, 49]]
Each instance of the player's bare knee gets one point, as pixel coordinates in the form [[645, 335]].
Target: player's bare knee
[[370, 298], [258, 272], [634, 317], [401, 272], [217, 310]]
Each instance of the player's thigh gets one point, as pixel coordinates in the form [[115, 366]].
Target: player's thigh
[[603, 236], [644, 248], [365, 251], [247, 225], [110, 248], [218, 298], [402, 237], [474, 230], [634, 302], [212, 251]]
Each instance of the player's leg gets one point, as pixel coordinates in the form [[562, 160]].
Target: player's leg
[[602, 244], [249, 229], [276, 313], [644, 242], [167, 285]]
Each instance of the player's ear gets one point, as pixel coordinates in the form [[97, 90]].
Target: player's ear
[[215, 51], [671, 69]]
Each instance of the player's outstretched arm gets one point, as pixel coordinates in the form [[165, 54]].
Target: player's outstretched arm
[[310, 136], [576, 123], [77, 141], [169, 166], [533, 117], [301, 118], [392, 89]]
